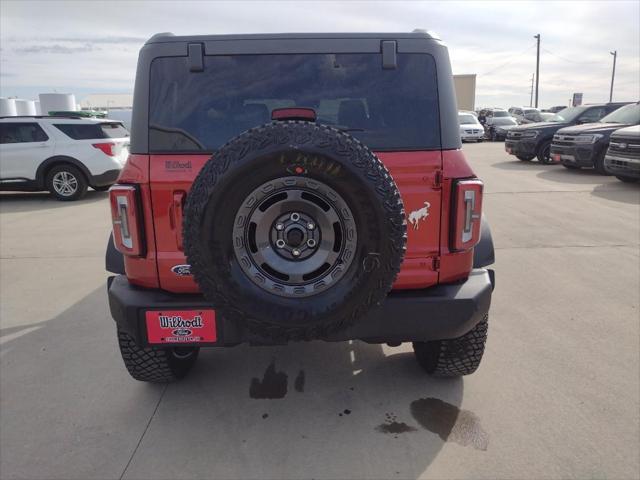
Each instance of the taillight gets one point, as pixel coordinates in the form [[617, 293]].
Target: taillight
[[107, 148], [467, 214], [127, 220]]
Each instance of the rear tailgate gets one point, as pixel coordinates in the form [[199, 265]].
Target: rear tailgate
[[417, 174]]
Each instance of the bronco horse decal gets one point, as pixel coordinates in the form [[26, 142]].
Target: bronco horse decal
[[420, 214]]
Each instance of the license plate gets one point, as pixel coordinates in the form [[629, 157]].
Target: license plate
[[556, 158], [509, 150], [181, 326]]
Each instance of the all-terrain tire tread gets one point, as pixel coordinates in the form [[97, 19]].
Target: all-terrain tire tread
[[454, 357], [149, 364]]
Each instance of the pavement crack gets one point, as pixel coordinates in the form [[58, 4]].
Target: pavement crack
[[135, 450]]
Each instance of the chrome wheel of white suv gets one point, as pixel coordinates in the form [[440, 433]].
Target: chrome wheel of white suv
[[65, 183]]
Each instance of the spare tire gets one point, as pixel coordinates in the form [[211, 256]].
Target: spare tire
[[295, 230]]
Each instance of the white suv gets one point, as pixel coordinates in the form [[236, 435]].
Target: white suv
[[64, 155]]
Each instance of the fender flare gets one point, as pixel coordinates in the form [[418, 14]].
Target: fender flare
[[114, 260], [483, 253], [49, 162]]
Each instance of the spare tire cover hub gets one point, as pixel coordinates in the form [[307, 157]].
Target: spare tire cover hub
[[294, 236]]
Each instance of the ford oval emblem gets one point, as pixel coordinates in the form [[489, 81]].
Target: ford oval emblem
[[181, 270], [181, 332]]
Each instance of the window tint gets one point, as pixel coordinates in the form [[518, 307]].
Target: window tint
[[501, 113], [22, 133], [84, 131], [467, 119], [629, 114], [386, 109], [592, 115]]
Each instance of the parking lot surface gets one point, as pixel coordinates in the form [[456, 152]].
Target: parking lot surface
[[557, 394]]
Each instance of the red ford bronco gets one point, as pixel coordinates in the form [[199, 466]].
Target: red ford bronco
[[297, 187]]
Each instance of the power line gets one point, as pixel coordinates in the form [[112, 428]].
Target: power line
[[568, 60], [511, 59]]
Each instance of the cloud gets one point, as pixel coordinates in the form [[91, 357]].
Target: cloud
[[102, 40], [56, 49], [492, 39]]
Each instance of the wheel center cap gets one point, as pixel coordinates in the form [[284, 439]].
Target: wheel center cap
[[294, 237]]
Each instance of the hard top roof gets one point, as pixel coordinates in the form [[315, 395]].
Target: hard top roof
[[170, 37], [71, 118]]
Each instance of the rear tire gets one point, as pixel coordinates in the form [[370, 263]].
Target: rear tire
[[66, 182], [152, 364], [524, 159], [454, 357]]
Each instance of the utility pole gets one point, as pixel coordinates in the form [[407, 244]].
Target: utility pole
[[613, 74], [537, 37], [531, 96]]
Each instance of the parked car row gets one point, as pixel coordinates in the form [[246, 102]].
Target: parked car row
[[580, 137], [62, 154]]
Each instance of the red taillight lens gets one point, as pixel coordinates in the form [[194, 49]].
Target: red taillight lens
[[467, 214], [127, 222], [107, 148]]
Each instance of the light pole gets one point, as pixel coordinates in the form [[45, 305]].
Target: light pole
[[531, 97], [537, 37], [613, 73]]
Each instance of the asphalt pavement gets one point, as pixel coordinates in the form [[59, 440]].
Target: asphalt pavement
[[557, 394]]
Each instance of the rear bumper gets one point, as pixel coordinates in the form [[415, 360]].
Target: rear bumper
[[622, 166], [107, 178], [440, 312]]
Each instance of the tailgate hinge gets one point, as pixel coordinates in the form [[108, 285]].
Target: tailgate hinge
[[435, 264], [437, 179], [177, 204]]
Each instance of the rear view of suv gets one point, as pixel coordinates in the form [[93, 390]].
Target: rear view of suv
[[64, 155], [297, 187]]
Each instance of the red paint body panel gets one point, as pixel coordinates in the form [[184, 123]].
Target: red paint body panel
[[422, 176]]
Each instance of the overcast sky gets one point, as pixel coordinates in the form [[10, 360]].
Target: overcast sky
[[86, 47]]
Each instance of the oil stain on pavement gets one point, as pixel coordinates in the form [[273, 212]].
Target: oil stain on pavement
[[450, 423], [394, 427], [273, 384]]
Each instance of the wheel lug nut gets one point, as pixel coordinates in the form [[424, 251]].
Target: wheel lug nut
[[279, 226], [311, 243], [295, 252], [280, 243], [295, 217], [310, 226]]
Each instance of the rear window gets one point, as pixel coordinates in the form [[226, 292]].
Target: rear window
[[84, 131], [387, 109]]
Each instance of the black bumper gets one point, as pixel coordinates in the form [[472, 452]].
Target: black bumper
[[440, 312], [581, 156], [622, 166], [521, 148], [107, 178]]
